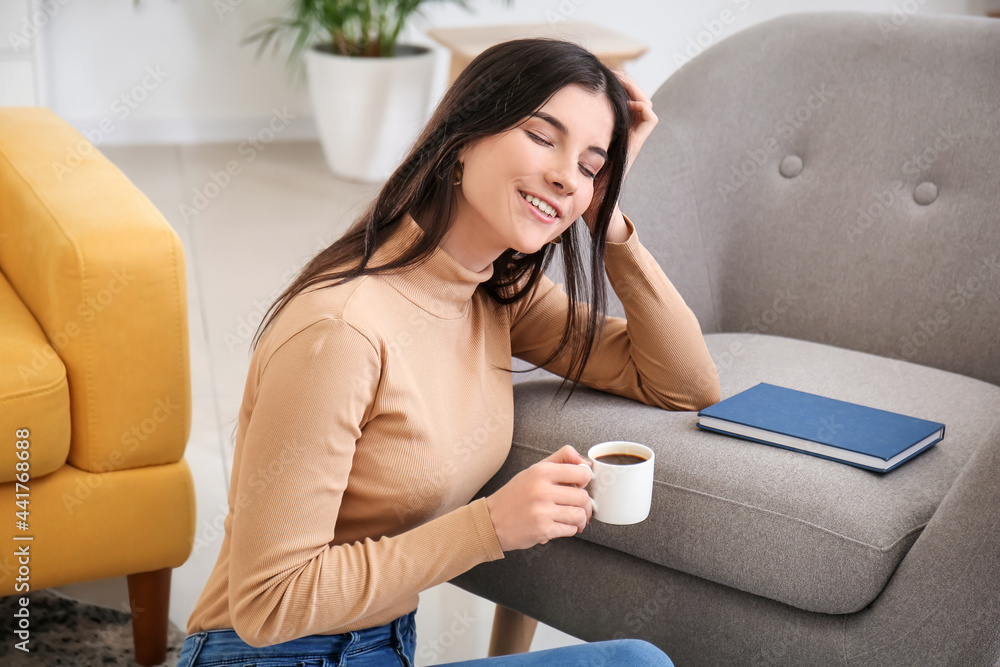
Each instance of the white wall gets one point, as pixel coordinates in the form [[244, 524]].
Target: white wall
[[173, 71]]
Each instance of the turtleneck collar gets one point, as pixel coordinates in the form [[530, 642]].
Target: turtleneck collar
[[441, 285]]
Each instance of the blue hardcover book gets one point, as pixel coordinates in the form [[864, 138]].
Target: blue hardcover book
[[855, 434]]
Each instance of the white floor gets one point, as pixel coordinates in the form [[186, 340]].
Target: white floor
[[245, 237]]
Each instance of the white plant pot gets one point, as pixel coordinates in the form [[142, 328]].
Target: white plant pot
[[369, 111]]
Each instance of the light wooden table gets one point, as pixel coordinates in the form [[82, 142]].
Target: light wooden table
[[613, 48]]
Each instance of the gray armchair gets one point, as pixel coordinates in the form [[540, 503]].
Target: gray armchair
[[824, 191]]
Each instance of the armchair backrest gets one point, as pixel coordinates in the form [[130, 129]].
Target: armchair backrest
[[834, 177]]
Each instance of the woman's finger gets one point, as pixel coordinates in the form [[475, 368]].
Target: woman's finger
[[565, 454], [571, 496], [569, 520], [633, 88], [569, 474]]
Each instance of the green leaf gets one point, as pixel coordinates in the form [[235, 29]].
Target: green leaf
[[351, 27]]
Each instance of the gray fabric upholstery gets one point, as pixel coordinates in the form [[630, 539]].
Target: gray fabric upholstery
[[940, 607], [811, 533], [824, 180], [794, 256]]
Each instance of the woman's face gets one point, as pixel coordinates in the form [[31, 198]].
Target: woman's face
[[554, 156]]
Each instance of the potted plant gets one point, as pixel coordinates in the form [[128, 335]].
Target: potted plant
[[370, 94]]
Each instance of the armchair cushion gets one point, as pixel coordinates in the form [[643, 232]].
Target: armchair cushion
[[33, 389], [815, 534]]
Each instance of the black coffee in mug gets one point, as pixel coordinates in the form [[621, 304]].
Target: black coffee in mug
[[621, 459]]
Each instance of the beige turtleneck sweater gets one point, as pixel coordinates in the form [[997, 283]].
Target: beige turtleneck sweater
[[372, 414]]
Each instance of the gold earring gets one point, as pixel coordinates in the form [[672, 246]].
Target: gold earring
[[459, 171]]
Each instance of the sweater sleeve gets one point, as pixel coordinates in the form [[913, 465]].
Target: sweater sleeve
[[288, 577], [656, 354]]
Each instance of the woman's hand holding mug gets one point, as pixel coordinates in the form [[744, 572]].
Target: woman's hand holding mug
[[544, 501]]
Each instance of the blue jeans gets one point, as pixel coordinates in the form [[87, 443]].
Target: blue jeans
[[394, 645]]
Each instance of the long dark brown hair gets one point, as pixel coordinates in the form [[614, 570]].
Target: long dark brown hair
[[496, 92]]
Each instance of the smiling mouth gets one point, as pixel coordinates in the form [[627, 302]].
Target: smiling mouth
[[547, 213]]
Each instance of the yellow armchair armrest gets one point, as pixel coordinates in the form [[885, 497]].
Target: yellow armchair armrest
[[103, 274]]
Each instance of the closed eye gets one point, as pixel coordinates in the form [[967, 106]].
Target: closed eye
[[538, 139]]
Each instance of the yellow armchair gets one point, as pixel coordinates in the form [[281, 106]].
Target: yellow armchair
[[95, 397]]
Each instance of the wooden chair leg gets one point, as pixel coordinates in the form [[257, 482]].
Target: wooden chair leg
[[512, 632], [149, 598]]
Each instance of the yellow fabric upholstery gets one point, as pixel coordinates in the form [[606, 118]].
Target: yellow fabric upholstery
[[32, 384], [94, 361], [94, 526]]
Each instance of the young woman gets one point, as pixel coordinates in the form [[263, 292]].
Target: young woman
[[379, 398]]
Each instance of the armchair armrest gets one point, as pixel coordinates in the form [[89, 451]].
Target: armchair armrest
[[103, 274]]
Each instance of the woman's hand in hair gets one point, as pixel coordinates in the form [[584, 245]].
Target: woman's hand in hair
[[643, 119], [641, 125], [544, 501]]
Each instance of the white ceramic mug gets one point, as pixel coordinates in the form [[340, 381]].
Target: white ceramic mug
[[621, 493]]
